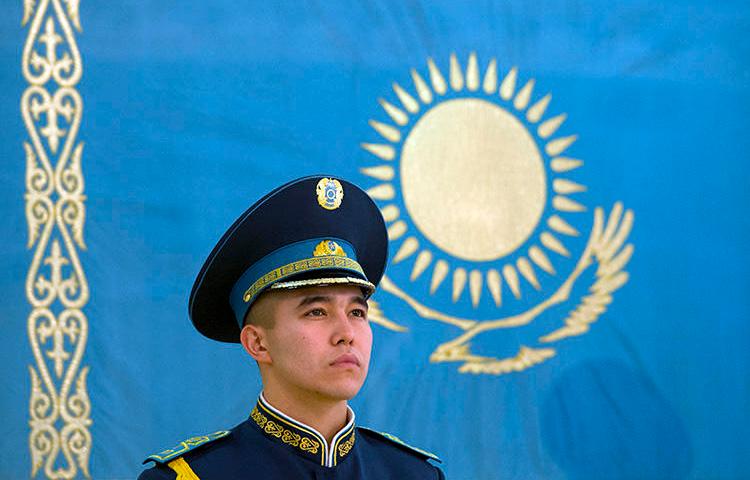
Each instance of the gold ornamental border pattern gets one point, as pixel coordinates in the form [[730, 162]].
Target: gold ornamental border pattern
[[56, 287]]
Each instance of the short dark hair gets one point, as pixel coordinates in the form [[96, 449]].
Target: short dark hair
[[257, 316]]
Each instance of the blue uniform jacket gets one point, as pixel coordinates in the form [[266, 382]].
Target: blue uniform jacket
[[271, 445]]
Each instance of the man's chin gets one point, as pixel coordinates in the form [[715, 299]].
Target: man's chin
[[344, 390]]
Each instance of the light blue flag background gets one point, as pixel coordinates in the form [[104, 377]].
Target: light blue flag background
[[193, 110]]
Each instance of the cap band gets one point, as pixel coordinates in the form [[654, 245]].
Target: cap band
[[300, 257]]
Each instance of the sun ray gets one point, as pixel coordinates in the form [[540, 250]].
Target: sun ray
[[508, 86], [390, 212], [407, 249], [564, 187], [424, 92], [420, 264], [380, 150], [490, 78], [548, 127], [386, 131], [556, 223], [438, 82], [456, 78], [564, 204], [564, 164], [384, 191], [396, 114], [527, 271], [552, 243], [537, 110], [459, 282], [409, 103], [381, 172], [396, 230], [541, 260], [472, 73], [524, 95], [494, 284], [438, 275], [475, 287], [558, 145], [511, 278]]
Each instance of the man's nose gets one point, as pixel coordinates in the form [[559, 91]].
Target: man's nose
[[344, 330]]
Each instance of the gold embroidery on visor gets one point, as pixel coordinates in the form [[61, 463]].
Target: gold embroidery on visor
[[325, 281], [300, 266]]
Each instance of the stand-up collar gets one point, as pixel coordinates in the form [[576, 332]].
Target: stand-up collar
[[303, 438]]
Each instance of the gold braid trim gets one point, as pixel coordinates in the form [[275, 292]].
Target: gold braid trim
[[277, 430], [324, 281], [299, 267], [184, 472]]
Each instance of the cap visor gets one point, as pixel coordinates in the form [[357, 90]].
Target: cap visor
[[368, 287]]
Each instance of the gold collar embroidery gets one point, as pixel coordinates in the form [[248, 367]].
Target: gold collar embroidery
[[305, 439]]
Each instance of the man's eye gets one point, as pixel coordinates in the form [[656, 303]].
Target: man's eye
[[315, 312], [359, 313]]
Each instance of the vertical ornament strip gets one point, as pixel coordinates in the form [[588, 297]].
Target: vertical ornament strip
[[56, 287]]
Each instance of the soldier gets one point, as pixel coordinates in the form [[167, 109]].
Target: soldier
[[290, 281]]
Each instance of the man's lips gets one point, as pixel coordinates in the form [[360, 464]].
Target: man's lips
[[346, 359]]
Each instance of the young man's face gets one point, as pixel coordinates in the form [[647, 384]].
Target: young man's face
[[318, 341]]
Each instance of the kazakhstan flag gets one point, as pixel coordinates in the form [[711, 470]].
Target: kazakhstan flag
[[565, 186]]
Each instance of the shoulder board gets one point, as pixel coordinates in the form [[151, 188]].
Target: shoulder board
[[185, 446], [398, 441]]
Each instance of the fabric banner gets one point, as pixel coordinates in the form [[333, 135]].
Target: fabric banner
[[565, 189]]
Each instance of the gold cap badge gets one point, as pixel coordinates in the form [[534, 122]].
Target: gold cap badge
[[330, 193], [328, 247]]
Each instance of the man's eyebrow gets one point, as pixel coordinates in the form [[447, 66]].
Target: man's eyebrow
[[313, 299], [360, 300]]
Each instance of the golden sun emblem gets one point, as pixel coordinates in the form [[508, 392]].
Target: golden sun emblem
[[478, 189]]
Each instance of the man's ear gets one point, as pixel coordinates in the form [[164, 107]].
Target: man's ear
[[254, 340]]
